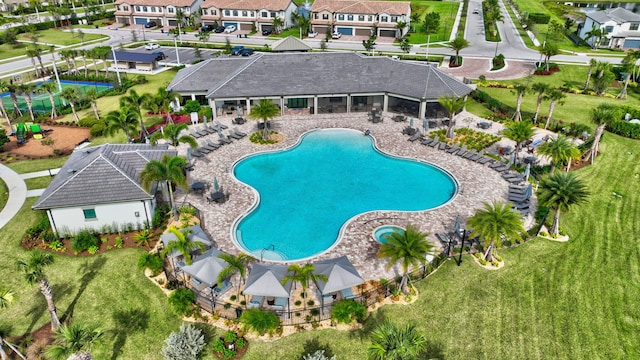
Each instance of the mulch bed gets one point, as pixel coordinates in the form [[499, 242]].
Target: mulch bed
[[65, 138], [127, 243]]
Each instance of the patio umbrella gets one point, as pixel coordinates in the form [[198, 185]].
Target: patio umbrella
[[411, 121], [204, 120], [527, 172], [425, 125], [266, 280], [219, 129], [340, 273], [216, 186], [207, 267]]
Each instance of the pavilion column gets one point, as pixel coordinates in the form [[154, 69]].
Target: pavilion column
[[385, 103], [248, 106], [315, 105], [214, 111], [423, 108], [193, 96], [348, 103]]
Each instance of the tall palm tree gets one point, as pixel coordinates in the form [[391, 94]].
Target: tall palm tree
[[303, 275], [278, 23], [74, 341], [50, 88], [180, 21], [493, 222], [6, 298], [72, 95], [458, 44], [560, 150], [409, 247], [163, 98], [592, 64], [520, 90], [601, 116], [603, 77], [124, 119], [452, 104], [560, 191], [518, 131], [26, 89], [548, 50], [91, 95], [393, 342], [135, 101], [66, 56], [556, 96], [628, 65], [95, 56], [33, 270], [597, 33], [36, 50], [264, 111], [171, 133], [400, 26], [169, 170], [13, 90], [182, 244], [236, 265], [493, 17], [83, 55], [541, 89]]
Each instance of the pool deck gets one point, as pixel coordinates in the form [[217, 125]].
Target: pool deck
[[477, 184]]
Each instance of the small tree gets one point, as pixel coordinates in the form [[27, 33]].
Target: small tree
[[458, 44], [431, 22], [74, 342], [260, 321], [391, 342], [181, 301], [346, 311], [318, 355], [452, 104], [186, 344], [548, 50]]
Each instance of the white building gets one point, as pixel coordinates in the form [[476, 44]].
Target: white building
[[622, 28], [248, 15]]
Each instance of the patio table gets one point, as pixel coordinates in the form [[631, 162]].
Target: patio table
[[198, 187]]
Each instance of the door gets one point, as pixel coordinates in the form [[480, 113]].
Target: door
[[631, 44], [345, 30], [141, 21], [388, 33]]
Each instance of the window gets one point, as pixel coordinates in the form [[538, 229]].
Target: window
[[361, 18], [633, 26], [125, 8], [297, 103], [264, 14], [235, 12], [325, 16], [144, 9], [384, 19], [370, 18], [341, 17], [273, 14], [335, 99], [118, 7], [204, 11], [394, 19], [214, 12], [138, 8], [89, 214], [608, 29], [170, 10], [251, 13], [153, 9], [227, 13], [350, 17], [315, 16], [245, 14]]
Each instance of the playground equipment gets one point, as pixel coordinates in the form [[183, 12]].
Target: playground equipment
[[36, 131], [21, 133]]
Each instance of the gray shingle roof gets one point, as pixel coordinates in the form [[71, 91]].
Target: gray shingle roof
[[619, 15], [101, 174], [289, 74], [290, 43], [133, 56]]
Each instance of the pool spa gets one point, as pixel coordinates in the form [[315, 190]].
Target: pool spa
[[309, 192]]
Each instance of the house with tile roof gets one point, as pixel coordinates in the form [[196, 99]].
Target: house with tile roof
[[318, 82], [361, 17], [163, 12], [622, 28], [99, 186], [249, 15]]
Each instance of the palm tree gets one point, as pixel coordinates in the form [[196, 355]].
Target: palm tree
[[494, 222], [6, 298], [180, 21], [409, 247], [597, 33], [182, 244], [458, 44], [13, 90], [171, 133], [66, 56], [264, 111], [25, 89], [559, 150], [518, 131], [168, 170], [236, 265], [94, 54], [124, 119], [303, 275], [72, 95], [557, 97], [559, 191], [135, 101], [91, 95], [493, 17], [277, 24], [541, 89], [400, 26], [520, 89], [548, 50], [33, 269], [628, 65], [452, 104], [392, 342], [36, 51], [592, 64], [50, 88], [601, 116], [163, 99], [83, 55], [74, 341]]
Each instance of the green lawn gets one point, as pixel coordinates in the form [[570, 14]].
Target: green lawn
[[38, 183], [4, 194], [22, 167], [447, 11], [57, 37], [8, 51]]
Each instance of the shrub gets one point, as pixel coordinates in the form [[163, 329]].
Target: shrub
[[93, 250], [624, 128], [97, 129], [260, 321], [88, 121], [118, 244], [539, 18], [84, 240], [256, 138], [345, 311], [192, 106], [143, 237], [185, 344], [3, 138], [186, 209], [181, 301], [150, 261]]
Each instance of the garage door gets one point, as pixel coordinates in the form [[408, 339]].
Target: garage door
[[320, 29], [141, 21], [226, 23], [245, 27], [631, 44], [388, 33], [363, 32], [345, 30], [173, 22], [266, 27]]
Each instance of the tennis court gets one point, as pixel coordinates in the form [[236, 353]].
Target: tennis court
[[41, 102]]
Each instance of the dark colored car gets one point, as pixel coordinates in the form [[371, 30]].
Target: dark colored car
[[159, 55], [150, 24], [246, 52], [219, 29], [266, 32], [236, 50], [207, 28]]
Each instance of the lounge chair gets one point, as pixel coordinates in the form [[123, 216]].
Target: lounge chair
[[454, 148], [194, 133], [515, 180], [484, 159], [462, 150], [435, 141], [255, 302], [470, 154], [518, 197], [213, 145], [521, 205], [224, 139], [442, 146], [478, 156], [196, 153], [218, 123], [347, 294], [208, 146], [202, 130], [280, 303], [416, 136], [497, 164], [203, 148], [235, 130], [234, 135], [502, 168], [224, 287]]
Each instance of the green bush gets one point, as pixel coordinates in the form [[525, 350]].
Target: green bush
[[539, 18], [150, 261], [260, 321], [181, 301], [88, 121], [192, 106], [3, 138], [83, 241], [624, 128], [97, 129], [345, 311]]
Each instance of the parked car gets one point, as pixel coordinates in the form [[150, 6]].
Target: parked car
[[229, 29], [219, 29], [236, 50], [159, 55], [476, 11], [336, 35], [151, 46], [150, 24], [312, 34], [266, 32], [207, 28], [246, 52]]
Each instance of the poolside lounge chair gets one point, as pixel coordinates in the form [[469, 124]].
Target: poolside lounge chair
[[462, 150], [196, 153], [218, 123], [280, 303], [347, 294], [416, 136], [224, 287], [234, 135], [484, 159], [454, 148], [224, 139], [208, 146], [213, 145], [502, 168], [442, 146], [255, 302], [202, 148], [235, 130], [194, 133], [445, 239], [518, 197], [521, 205], [435, 141], [478, 156], [497, 164], [470, 154], [202, 130], [428, 141]]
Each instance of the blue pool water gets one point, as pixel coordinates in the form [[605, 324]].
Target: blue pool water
[[308, 192], [380, 233]]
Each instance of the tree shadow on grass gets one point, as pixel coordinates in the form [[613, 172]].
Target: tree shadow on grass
[[373, 321], [89, 270], [127, 322], [39, 304], [433, 351], [313, 345]]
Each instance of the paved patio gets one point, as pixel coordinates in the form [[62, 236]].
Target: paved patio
[[478, 184]]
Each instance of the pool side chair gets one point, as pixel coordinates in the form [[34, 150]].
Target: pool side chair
[[478, 156], [238, 132], [347, 294], [224, 139], [212, 144], [234, 135], [462, 150], [497, 164], [280, 303], [442, 146], [255, 302], [194, 133], [502, 168], [484, 159], [202, 131], [196, 153], [435, 142], [518, 198], [454, 148], [203, 149], [208, 146], [416, 136], [222, 126], [470, 154]]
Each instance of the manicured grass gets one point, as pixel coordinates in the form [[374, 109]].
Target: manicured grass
[[4, 194], [8, 51], [447, 11], [22, 167], [38, 183], [54, 36]]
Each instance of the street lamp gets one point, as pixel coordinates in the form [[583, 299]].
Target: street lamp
[[175, 44], [462, 233], [115, 63]]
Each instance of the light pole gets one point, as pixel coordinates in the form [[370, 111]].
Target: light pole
[[464, 237], [175, 44], [115, 63]]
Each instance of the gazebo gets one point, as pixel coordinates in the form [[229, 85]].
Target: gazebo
[[341, 277], [265, 280]]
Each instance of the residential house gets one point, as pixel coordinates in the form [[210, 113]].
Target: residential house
[[10, 5], [317, 83], [622, 28], [361, 17], [248, 15], [140, 12], [99, 187]]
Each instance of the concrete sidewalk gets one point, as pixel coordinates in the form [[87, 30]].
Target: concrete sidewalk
[[17, 194], [37, 174]]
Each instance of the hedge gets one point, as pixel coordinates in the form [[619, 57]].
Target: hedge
[[539, 18], [624, 128]]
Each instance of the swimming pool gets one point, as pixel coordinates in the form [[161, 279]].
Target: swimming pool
[[382, 232], [308, 192]]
